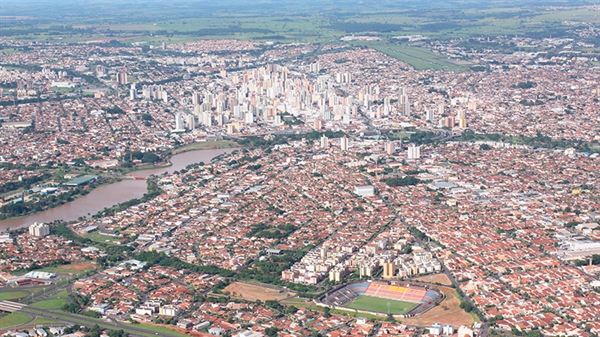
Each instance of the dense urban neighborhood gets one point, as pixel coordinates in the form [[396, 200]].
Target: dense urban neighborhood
[[230, 187]]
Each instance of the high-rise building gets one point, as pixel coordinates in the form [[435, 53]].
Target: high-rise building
[[324, 142], [179, 126], [39, 229], [389, 148], [389, 270], [190, 121], [198, 111], [315, 67], [230, 129], [344, 143], [449, 122], [462, 123], [122, 77], [414, 152], [249, 118], [196, 99], [407, 108], [132, 92], [430, 115], [207, 118], [318, 125], [100, 71], [327, 115]]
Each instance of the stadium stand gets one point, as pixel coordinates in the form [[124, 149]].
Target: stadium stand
[[426, 298], [407, 293], [359, 288]]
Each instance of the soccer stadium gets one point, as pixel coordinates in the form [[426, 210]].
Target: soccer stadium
[[382, 297]]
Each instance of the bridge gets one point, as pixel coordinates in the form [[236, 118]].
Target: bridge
[[10, 306]]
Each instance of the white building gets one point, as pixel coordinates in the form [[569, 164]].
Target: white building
[[168, 310], [191, 122], [365, 191], [324, 142], [436, 329], [344, 143], [179, 126], [133, 92], [414, 152], [39, 229], [464, 331]]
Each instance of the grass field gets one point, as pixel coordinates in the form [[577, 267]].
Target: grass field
[[221, 144], [62, 294], [95, 236], [160, 329], [12, 295], [55, 303], [419, 58], [377, 304], [306, 303], [14, 319]]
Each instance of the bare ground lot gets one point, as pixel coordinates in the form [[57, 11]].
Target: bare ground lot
[[437, 278], [447, 312], [253, 292]]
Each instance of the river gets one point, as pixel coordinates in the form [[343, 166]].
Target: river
[[110, 195]]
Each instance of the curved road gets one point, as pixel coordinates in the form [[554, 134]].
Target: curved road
[[133, 330]]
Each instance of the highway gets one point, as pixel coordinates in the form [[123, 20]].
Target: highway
[[69, 318]]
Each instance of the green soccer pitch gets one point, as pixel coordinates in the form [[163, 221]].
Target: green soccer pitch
[[377, 304]]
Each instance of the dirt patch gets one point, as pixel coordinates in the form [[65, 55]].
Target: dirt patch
[[253, 292], [75, 267], [447, 312], [437, 278]]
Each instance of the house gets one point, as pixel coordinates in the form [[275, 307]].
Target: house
[[216, 331]]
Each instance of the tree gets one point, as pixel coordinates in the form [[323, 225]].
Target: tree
[[326, 312], [466, 306], [150, 158], [272, 331]]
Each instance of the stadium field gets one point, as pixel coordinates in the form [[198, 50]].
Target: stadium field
[[377, 304]]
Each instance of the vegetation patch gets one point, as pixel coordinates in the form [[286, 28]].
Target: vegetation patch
[[55, 303], [14, 319], [12, 295]]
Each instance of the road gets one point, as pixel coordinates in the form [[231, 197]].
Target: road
[[73, 319]]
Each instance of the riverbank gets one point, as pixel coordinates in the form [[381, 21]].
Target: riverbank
[[199, 146], [107, 196], [219, 144], [104, 181]]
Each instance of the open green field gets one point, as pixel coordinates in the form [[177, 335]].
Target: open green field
[[160, 329], [14, 319], [290, 21], [221, 144], [419, 58], [95, 236], [12, 295], [55, 303], [377, 304], [40, 321]]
